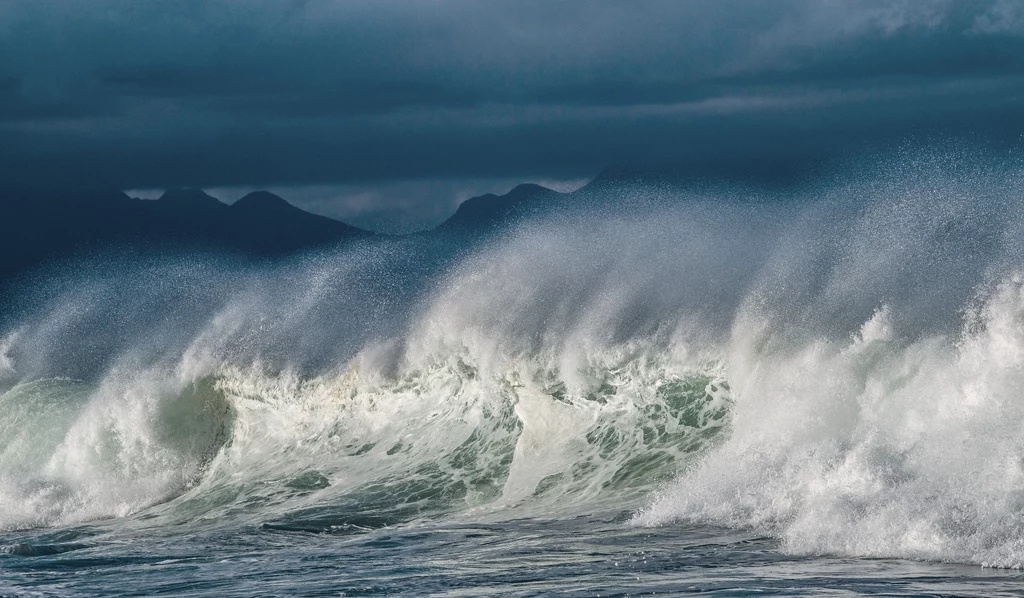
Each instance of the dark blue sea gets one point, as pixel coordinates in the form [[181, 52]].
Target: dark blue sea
[[583, 556]]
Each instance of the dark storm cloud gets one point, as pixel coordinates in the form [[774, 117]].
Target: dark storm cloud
[[230, 92]]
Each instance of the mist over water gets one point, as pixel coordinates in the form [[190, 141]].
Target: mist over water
[[839, 366]]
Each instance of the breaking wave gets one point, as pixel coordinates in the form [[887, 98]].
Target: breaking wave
[[840, 366]]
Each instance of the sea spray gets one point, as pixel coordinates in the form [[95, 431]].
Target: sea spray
[[837, 366], [877, 446]]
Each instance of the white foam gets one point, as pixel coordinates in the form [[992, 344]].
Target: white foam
[[875, 447]]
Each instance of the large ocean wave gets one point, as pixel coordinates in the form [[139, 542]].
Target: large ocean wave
[[840, 366]]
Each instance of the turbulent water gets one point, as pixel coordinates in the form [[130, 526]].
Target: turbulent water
[[658, 390]]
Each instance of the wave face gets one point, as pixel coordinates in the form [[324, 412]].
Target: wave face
[[839, 366]]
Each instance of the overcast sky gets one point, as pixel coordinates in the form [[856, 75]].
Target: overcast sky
[[392, 110]]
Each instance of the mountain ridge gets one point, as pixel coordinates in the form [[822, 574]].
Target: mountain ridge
[[47, 226], [42, 227]]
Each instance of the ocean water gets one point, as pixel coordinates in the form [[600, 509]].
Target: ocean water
[[810, 391]]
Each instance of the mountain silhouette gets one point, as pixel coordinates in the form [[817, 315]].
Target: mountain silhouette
[[266, 223], [488, 214], [41, 227]]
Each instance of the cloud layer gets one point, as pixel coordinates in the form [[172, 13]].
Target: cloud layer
[[140, 94]]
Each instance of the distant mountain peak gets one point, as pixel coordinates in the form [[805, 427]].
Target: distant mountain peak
[[190, 198], [272, 218], [262, 200], [491, 210], [526, 189]]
